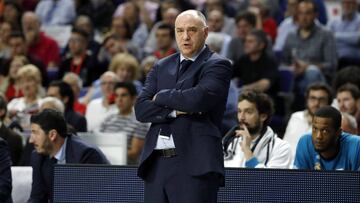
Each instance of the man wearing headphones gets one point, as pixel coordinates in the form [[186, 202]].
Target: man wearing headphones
[[253, 144]]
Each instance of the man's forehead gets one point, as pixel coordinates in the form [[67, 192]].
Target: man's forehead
[[319, 92], [189, 19], [245, 104], [35, 126], [322, 121]]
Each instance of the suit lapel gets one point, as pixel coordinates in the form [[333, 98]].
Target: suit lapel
[[204, 55], [168, 79]]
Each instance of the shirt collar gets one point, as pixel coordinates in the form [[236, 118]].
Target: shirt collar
[[60, 155], [192, 58], [313, 29]]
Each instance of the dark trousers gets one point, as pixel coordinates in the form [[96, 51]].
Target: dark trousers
[[167, 181]]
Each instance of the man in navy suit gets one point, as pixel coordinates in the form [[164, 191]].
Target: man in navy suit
[[53, 145], [184, 98]]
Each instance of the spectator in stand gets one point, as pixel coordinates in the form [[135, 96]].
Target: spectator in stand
[[13, 139], [350, 74], [165, 38], [83, 22], [139, 26], [216, 24], [52, 103], [310, 52], [76, 85], [20, 109], [168, 17], [328, 147], [210, 5], [110, 47], [12, 14], [288, 25], [18, 47], [79, 61], [127, 69], [125, 120], [56, 12], [317, 95], [121, 28], [252, 143], [5, 32], [347, 35], [98, 109], [219, 22], [99, 11], [63, 91], [245, 22], [264, 20], [256, 69], [39, 45], [8, 86], [348, 98], [146, 65], [143, 10]]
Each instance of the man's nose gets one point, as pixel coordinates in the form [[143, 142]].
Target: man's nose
[[318, 135], [31, 140], [186, 35]]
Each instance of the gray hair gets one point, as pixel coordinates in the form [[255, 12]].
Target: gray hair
[[149, 59], [111, 74], [196, 14], [59, 106], [215, 40], [73, 76]]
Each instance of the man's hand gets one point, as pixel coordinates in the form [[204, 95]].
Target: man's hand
[[245, 142], [300, 67], [178, 113]]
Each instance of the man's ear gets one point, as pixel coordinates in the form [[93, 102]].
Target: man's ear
[[263, 117], [53, 135]]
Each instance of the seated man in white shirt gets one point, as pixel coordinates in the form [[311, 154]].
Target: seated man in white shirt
[[317, 96], [253, 144], [98, 109]]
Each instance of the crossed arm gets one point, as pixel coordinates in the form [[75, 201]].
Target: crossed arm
[[154, 104]]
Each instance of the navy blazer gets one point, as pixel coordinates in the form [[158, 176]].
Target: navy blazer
[[77, 152], [5, 172], [202, 91]]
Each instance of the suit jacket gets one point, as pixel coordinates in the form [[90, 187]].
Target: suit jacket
[[202, 91], [14, 141], [5, 172], [77, 151]]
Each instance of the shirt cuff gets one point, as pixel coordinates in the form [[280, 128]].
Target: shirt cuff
[[172, 114], [251, 163]]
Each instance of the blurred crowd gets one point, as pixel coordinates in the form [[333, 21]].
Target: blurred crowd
[[89, 60]]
